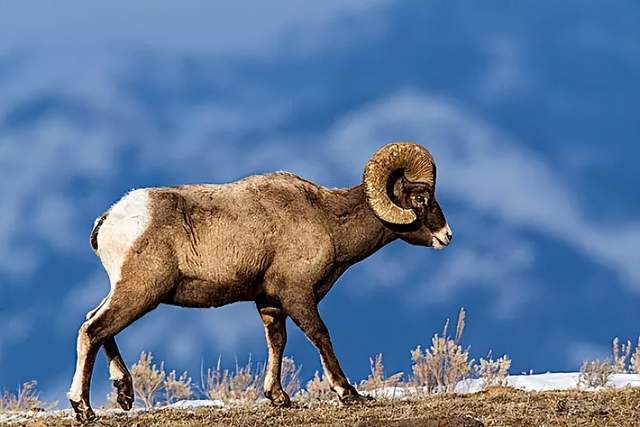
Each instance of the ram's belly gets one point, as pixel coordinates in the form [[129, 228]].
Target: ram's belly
[[200, 293], [221, 272]]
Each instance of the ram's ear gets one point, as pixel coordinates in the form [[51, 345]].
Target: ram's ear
[[397, 190]]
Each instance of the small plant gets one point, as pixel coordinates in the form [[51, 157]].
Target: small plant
[[377, 379], [318, 389], [439, 368], [26, 399], [621, 359], [493, 372], [147, 379], [595, 373], [112, 400], [290, 376], [244, 384], [635, 359], [177, 388]]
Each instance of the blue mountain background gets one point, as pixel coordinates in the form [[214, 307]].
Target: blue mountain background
[[530, 109]]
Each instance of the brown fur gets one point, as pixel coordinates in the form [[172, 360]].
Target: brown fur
[[274, 239]]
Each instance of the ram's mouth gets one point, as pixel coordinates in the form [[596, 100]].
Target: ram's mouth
[[437, 243], [440, 241], [441, 238]]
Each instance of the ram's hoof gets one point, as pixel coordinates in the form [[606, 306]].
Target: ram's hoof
[[279, 399], [125, 393], [355, 399], [84, 413], [284, 402]]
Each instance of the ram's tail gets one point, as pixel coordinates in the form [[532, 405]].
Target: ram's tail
[[96, 228]]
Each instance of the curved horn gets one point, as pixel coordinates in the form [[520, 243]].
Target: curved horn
[[417, 164]]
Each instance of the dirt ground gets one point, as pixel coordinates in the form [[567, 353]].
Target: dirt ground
[[495, 407]]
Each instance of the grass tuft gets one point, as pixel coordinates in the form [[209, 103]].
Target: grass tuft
[[25, 399]]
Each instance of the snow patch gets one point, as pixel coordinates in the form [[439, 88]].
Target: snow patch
[[193, 404], [549, 381]]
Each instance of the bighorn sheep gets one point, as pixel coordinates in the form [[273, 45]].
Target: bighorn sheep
[[275, 239]]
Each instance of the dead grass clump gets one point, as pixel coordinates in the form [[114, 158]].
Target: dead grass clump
[[242, 385], [445, 363], [377, 379], [621, 359], [176, 388], [625, 360], [112, 400], [635, 359], [493, 372], [595, 373], [147, 379], [26, 399], [318, 389], [290, 376]]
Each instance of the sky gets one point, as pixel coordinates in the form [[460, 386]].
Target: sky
[[529, 108]]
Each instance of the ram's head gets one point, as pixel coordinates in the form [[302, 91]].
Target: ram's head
[[400, 183]]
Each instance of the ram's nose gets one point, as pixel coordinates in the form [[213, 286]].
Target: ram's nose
[[442, 237]]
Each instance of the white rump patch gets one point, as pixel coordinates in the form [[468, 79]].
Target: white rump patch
[[125, 222]]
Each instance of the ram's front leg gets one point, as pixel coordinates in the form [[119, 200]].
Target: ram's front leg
[[304, 312], [274, 320]]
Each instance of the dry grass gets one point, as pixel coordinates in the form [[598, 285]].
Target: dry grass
[[625, 360], [377, 379], [595, 373], [493, 372], [290, 376], [445, 363], [176, 388], [635, 359], [244, 384], [499, 406], [147, 379], [318, 389], [26, 399]]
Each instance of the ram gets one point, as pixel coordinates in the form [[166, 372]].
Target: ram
[[274, 239]]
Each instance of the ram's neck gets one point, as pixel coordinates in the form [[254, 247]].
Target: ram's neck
[[358, 232]]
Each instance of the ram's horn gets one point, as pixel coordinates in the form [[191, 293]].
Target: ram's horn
[[416, 164]]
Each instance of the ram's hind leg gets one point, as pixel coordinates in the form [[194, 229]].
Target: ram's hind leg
[[134, 295], [119, 374]]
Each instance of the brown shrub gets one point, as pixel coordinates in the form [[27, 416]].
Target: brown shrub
[[595, 373], [147, 379], [377, 379], [26, 399], [176, 388], [493, 372], [290, 376], [445, 363], [318, 389], [242, 385]]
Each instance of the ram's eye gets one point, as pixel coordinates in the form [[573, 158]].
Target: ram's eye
[[420, 198]]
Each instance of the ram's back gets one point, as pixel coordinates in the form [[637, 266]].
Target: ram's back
[[234, 232]]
